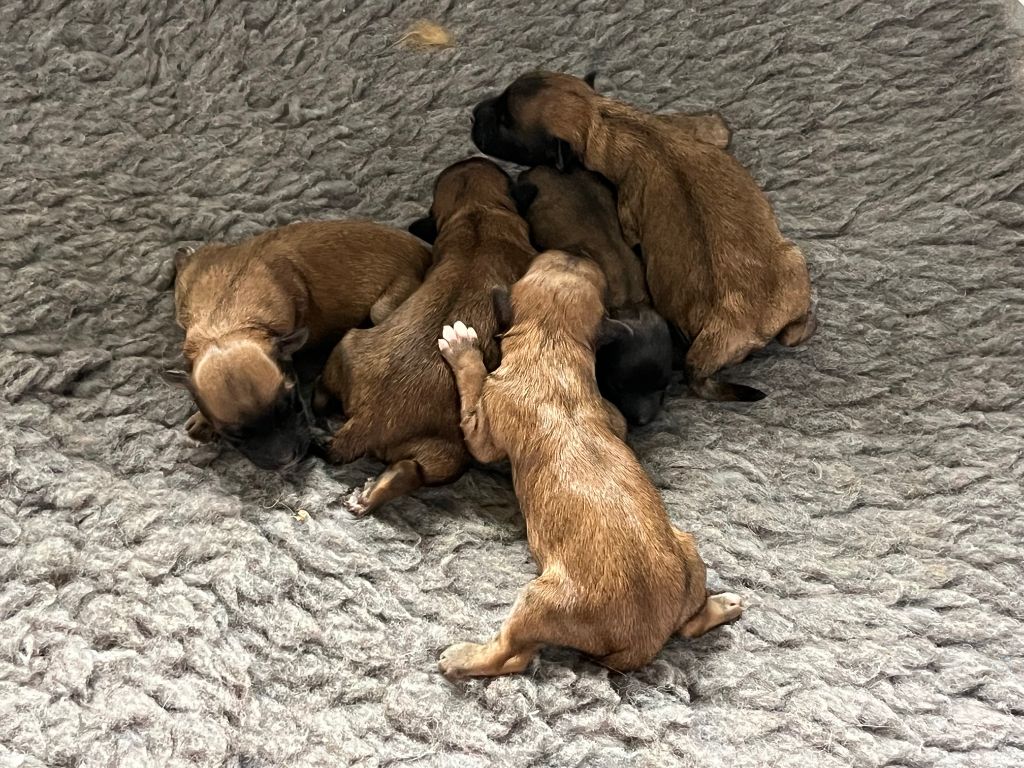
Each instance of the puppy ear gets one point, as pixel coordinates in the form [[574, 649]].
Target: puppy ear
[[290, 343], [524, 193], [425, 229], [502, 301], [612, 330], [177, 377], [564, 157], [590, 77]]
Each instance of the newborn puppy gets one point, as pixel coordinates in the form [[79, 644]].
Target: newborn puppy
[[246, 308], [575, 211], [717, 266], [397, 394], [616, 579]]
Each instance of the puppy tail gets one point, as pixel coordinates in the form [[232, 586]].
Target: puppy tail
[[724, 391]]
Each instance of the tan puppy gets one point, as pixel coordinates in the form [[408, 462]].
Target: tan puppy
[[397, 394], [717, 265], [575, 211], [246, 308], [617, 580]]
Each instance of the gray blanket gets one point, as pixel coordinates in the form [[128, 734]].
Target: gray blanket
[[164, 603]]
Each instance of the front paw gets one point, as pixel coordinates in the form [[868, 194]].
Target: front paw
[[199, 429], [457, 341]]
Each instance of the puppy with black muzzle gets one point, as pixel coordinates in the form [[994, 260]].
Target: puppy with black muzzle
[[247, 308], [398, 396], [616, 578], [574, 211], [717, 266]]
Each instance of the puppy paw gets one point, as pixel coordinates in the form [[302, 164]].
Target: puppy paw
[[457, 340], [730, 605], [458, 660], [358, 502], [199, 429]]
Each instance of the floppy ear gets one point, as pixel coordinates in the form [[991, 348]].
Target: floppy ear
[[590, 77], [177, 377], [563, 155], [425, 229], [502, 301], [290, 343], [524, 193], [612, 330]]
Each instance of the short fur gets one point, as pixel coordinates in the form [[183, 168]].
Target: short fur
[[397, 394], [717, 265], [247, 307], [616, 579], [575, 211]]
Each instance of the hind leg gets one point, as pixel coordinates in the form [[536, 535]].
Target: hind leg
[[323, 402], [347, 444], [799, 330], [432, 462], [392, 298], [330, 384], [714, 348], [717, 610], [536, 620]]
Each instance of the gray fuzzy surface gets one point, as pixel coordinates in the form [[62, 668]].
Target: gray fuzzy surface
[[161, 605]]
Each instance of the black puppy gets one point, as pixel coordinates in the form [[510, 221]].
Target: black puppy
[[575, 212]]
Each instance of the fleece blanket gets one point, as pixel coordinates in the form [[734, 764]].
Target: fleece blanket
[[164, 603]]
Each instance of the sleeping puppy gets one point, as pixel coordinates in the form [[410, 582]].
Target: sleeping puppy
[[575, 211], [247, 308], [616, 579], [397, 394], [717, 266]]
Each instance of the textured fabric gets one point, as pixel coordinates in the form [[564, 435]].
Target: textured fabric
[[164, 603]]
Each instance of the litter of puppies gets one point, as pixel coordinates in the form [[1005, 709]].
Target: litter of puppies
[[545, 315]]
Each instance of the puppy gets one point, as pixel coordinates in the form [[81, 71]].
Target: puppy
[[247, 308], [397, 394], [616, 579], [717, 266], [575, 211]]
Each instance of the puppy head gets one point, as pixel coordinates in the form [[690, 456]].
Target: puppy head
[[543, 118], [475, 181], [246, 389], [634, 371], [566, 293]]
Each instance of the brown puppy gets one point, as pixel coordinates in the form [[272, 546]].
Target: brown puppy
[[617, 580], [575, 211], [717, 265], [397, 394], [246, 308]]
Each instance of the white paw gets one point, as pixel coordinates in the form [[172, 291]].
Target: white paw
[[730, 603], [358, 501], [457, 339]]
